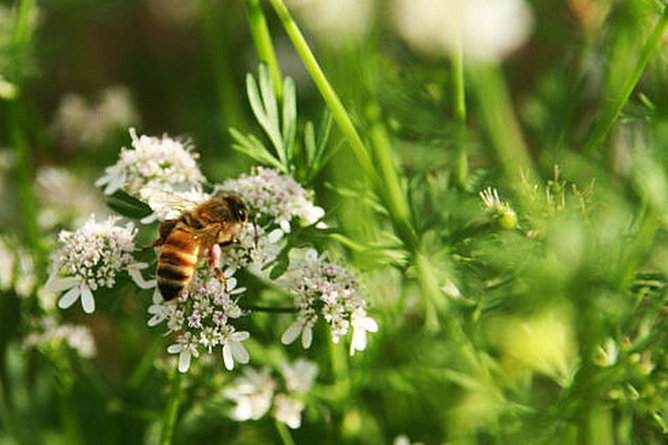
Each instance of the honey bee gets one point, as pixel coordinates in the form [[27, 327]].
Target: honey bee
[[206, 228]]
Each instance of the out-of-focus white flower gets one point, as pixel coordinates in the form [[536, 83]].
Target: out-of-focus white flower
[[486, 29], [80, 123], [299, 376], [253, 393], [165, 164], [26, 278], [201, 319], [173, 12], [49, 332], [64, 198], [7, 263], [8, 90], [288, 410], [90, 258], [361, 324], [334, 22]]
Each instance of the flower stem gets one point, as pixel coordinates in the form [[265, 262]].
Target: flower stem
[[329, 95], [283, 431], [171, 412], [263, 44], [15, 121], [69, 417], [270, 309], [25, 183], [459, 114], [614, 107], [504, 130]]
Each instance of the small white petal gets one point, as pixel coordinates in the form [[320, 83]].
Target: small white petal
[[157, 297], [239, 352], [87, 300], [174, 349], [184, 360], [307, 337], [227, 357], [137, 277], [285, 226], [240, 336], [311, 255], [275, 236], [368, 324], [291, 333], [69, 298], [60, 284]]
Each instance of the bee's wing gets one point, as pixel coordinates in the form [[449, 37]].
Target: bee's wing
[[169, 204]]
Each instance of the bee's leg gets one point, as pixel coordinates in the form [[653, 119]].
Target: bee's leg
[[214, 262]]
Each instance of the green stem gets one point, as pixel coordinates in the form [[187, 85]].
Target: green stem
[[329, 95], [270, 309], [20, 41], [172, 410], [504, 130], [392, 193], [25, 183], [70, 421], [430, 291], [459, 114], [620, 96], [597, 426], [283, 431], [263, 44]]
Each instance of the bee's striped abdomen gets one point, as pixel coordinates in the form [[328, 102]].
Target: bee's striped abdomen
[[177, 262]]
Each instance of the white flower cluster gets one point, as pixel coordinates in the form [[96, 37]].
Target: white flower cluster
[[165, 164], [322, 287], [80, 123], [200, 318], [65, 198], [91, 258], [269, 193], [274, 200], [50, 333], [255, 391]]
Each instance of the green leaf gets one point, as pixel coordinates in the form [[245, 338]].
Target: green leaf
[[309, 143], [289, 116], [255, 149], [269, 125], [127, 205]]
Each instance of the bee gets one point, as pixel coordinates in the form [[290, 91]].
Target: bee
[[208, 227]]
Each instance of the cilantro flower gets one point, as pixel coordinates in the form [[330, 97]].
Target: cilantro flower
[[91, 258], [201, 320], [162, 163]]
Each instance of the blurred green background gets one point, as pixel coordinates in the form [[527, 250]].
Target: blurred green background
[[538, 319]]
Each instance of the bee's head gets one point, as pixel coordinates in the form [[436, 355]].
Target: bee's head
[[237, 207]]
